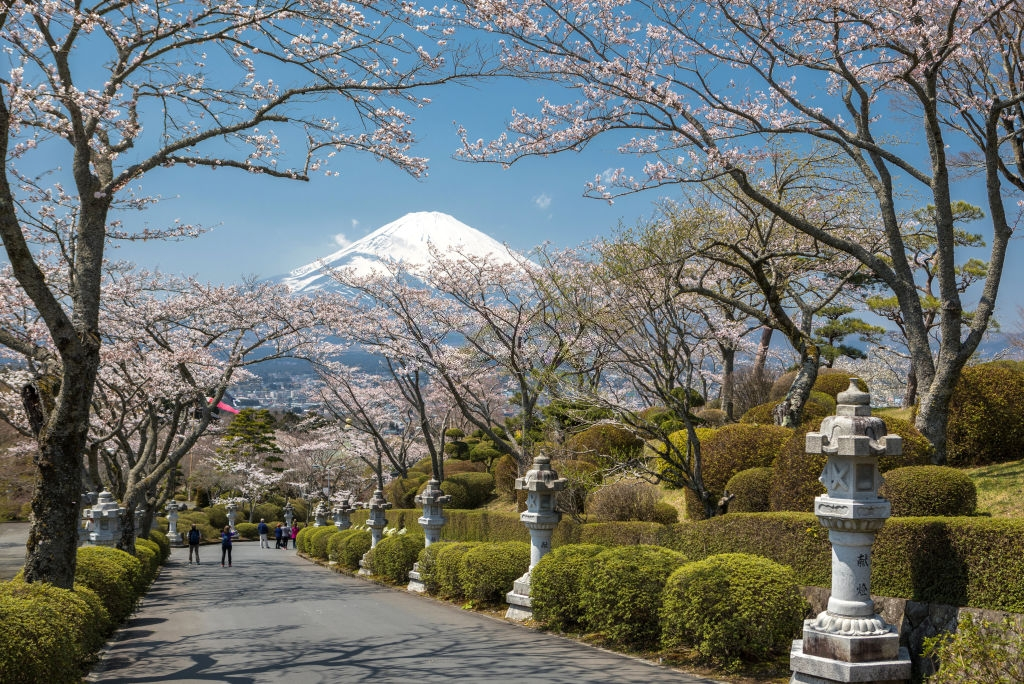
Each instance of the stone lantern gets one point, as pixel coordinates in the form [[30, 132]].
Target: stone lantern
[[320, 515], [289, 514], [104, 520], [232, 512], [172, 523], [84, 523], [850, 642], [541, 485], [376, 522], [432, 499], [343, 514]]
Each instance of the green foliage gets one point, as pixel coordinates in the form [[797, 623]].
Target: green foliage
[[621, 595], [930, 490], [148, 554], [427, 560], [764, 414], [478, 487], [732, 607], [318, 541], [664, 460], [621, 533], [506, 470], [302, 539], [394, 555], [712, 417], [456, 467], [247, 530], [979, 651], [163, 542], [251, 433], [114, 575], [555, 585], [351, 549], [267, 511], [484, 452], [665, 513], [830, 335], [48, 632], [731, 449], [460, 497], [752, 489], [986, 415], [447, 566], [604, 445], [487, 571], [831, 381], [217, 515], [582, 477], [401, 491], [795, 472]]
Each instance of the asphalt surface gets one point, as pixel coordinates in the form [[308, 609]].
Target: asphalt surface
[[275, 617], [12, 548]]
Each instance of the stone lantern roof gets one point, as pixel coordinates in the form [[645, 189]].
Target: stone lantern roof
[[541, 478]]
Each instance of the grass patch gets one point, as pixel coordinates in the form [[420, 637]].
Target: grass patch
[[1000, 487]]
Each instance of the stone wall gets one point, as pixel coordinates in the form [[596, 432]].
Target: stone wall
[[914, 620]]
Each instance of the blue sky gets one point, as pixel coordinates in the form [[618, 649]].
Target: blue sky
[[266, 226]]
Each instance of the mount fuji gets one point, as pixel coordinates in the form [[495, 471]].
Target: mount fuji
[[406, 240]]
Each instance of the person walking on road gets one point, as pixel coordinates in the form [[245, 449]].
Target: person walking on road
[[194, 537], [263, 529], [295, 533], [277, 535], [225, 545]]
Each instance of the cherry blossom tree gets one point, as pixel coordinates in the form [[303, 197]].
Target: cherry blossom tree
[[911, 96], [115, 91]]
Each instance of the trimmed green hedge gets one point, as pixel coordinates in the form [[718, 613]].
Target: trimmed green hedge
[[478, 486], [394, 555], [447, 567], [986, 415], [114, 575], [751, 489], [161, 540], [930, 490], [349, 546], [487, 571], [621, 593], [555, 585], [620, 533], [247, 530], [732, 607]]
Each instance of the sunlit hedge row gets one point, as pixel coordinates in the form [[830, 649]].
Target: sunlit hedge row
[[51, 634]]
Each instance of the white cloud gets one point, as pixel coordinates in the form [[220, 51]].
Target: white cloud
[[543, 201], [341, 240], [355, 223]]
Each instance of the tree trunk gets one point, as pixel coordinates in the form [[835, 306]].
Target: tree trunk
[[127, 541], [761, 357], [933, 417], [910, 394], [52, 547], [790, 412], [729, 363]]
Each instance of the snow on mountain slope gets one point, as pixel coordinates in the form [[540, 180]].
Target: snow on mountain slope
[[407, 240]]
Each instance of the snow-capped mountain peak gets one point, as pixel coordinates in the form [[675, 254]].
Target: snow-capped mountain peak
[[408, 240]]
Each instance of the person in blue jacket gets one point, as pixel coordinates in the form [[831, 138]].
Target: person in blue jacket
[[263, 529], [225, 545], [194, 537]]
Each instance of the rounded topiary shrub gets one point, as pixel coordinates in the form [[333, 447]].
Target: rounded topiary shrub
[[218, 516], [731, 449], [427, 560], [506, 470], [623, 500], [830, 381], [394, 556], [247, 530], [460, 497], [555, 585], [930, 490], [401, 492], [795, 472], [604, 444], [664, 459], [113, 575], [986, 415], [351, 549], [455, 467], [732, 607], [621, 594], [752, 489], [318, 541], [447, 567], [148, 554], [764, 414], [712, 417], [161, 540], [478, 486], [335, 542], [488, 571], [665, 513], [302, 539]]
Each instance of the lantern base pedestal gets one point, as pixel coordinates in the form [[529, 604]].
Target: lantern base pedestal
[[813, 669], [520, 607], [415, 580]]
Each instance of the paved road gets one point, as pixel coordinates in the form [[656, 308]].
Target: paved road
[[274, 617], [12, 548]]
